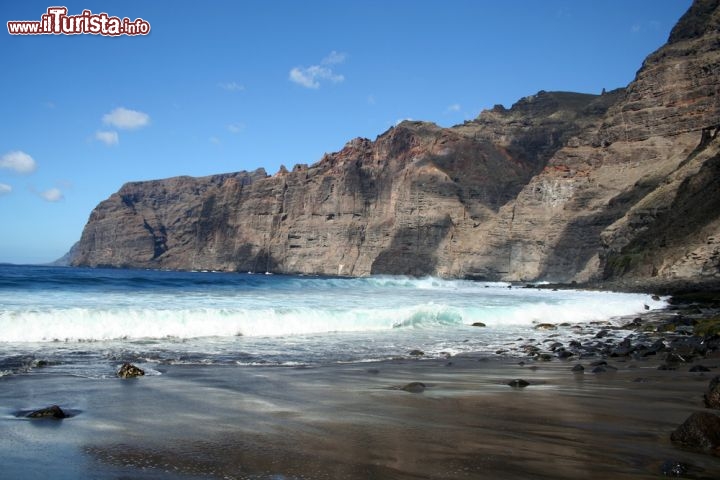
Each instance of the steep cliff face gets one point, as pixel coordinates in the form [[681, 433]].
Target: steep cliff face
[[561, 186], [393, 205], [608, 203]]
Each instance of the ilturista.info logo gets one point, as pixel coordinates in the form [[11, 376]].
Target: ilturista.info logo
[[56, 21]]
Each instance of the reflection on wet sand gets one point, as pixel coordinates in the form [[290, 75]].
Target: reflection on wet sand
[[354, 422]]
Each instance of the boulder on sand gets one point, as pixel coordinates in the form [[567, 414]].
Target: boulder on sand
[[129, 370], [52, 411], [700, 430]]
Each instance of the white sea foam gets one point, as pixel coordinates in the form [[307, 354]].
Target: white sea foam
[[308, 313]]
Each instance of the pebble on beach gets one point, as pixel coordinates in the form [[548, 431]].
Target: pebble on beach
[[518, 383], [52, 411], [128, 370], [414, 387]]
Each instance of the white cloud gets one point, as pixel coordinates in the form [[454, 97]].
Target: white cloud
[[18, 161], [231, 86], [214, 140], [310, 77], [236, 127], [5, 188], [371, 99], [455, 107], [108, 138], [334, 58], [52, 195], [126, 119]]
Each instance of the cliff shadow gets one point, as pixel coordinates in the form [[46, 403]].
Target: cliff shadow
[[696, 204], [413, 250], [580, 240]]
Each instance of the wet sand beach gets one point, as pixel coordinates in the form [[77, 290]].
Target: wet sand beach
[[356, 422]]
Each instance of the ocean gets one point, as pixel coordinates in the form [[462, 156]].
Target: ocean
[[86, 322]]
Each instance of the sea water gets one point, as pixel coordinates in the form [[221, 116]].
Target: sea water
[[88, 321]]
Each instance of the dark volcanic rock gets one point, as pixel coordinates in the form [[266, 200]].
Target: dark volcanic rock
[[52, 411], [518, 383], [699, 368], [700, 430], [673, 468], [128, 370], [712, 396], [414, 387]]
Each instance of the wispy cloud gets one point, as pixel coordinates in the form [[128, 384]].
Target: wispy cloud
[[310, 77], [231, 86], [17, 161], [334, 58], [214, 140], [5, 189], [641, 27], [124, 118], [371, 99], [52, 195], [455, 107], [107, 137], [236, 127]]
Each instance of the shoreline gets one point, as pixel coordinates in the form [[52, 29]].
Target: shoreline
[[353, 421]]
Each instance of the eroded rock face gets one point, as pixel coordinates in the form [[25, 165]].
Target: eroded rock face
[[562, 186], [407, 203]]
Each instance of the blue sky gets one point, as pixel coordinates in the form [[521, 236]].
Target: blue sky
[[222, 86]]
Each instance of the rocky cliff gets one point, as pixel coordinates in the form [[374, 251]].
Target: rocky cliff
[[561, 186]]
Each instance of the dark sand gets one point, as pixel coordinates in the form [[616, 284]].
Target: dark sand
[[353, 422]]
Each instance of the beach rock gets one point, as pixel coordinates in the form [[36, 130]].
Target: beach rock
[[545, 326], [128, 370], [578, 369], [518, 383], [673, 468], [655, 348], [712, 395], [479, 324], [700, 430], [416, 353], [602, 334], [604, 369], [414, 387], [563, 354], [699, 368], [52, 411]]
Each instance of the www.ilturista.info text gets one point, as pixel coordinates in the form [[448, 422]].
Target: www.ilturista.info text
[[57, 22]]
